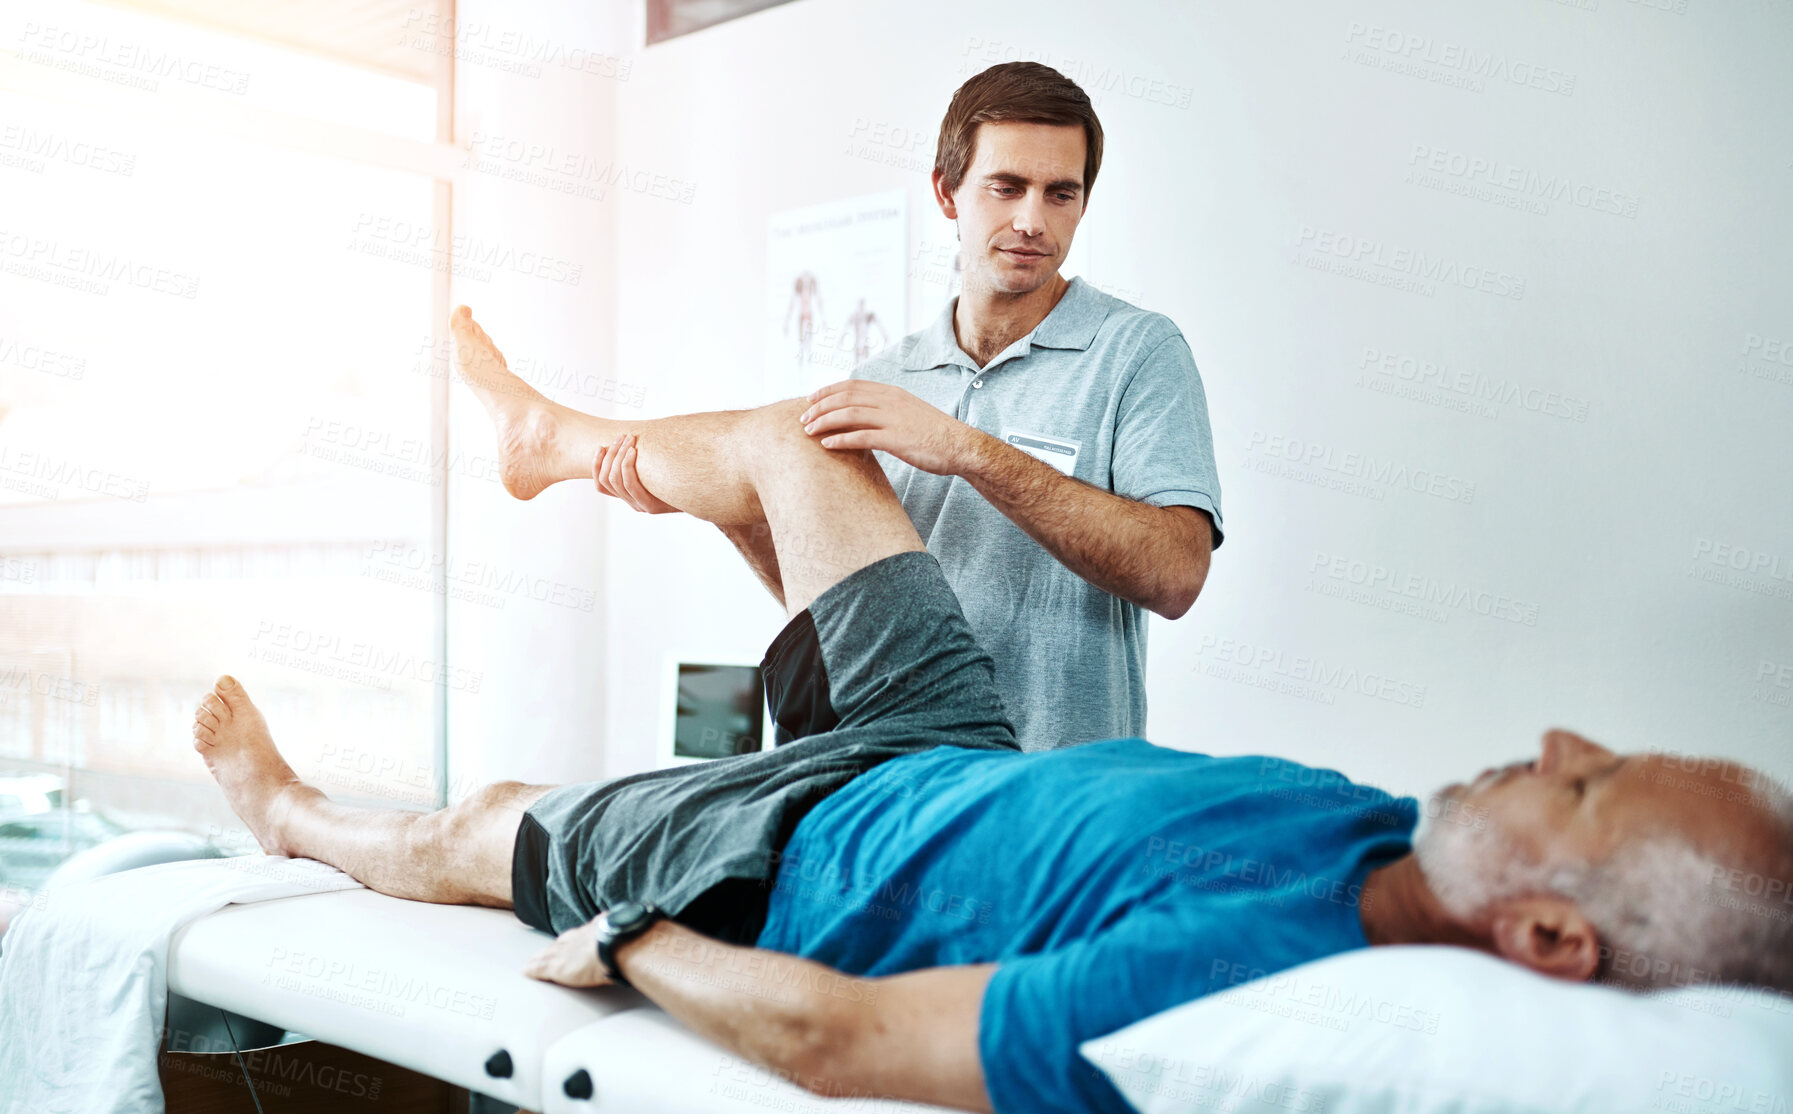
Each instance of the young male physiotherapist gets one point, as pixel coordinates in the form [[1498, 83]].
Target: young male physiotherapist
[[1050, 442]]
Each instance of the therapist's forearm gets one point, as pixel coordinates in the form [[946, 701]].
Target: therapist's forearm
[[778, 1010], [1156, 557]]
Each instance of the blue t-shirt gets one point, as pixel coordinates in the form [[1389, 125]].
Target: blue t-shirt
[[1109, 881]]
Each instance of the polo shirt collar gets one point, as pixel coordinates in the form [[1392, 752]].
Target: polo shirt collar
[[1073, 324]]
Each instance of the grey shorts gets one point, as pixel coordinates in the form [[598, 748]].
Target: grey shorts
[[881, 665]]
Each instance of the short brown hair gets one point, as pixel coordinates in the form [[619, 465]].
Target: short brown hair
[[1015, 92]]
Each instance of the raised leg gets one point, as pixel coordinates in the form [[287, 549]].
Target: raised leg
[[460, 855], [829, 512]]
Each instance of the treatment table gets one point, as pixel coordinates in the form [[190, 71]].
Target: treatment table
[[439, 989]]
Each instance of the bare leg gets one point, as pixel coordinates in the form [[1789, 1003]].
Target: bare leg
[[829, 512], [459, 855]]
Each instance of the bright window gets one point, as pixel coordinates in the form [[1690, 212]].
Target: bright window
[[219, 414]]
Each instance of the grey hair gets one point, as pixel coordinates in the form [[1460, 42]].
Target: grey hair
[[1671, 914], [1667, 913]]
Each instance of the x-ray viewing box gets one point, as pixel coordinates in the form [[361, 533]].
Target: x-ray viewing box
[[440, 989]]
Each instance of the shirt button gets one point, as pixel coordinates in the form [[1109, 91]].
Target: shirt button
[[977, 382]]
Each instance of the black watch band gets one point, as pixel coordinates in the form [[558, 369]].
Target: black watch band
[[625, 921]]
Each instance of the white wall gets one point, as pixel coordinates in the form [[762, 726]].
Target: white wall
[[1296, 137], [540, 132]]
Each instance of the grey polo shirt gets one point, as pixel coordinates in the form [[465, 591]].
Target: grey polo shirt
[[1103, 391]]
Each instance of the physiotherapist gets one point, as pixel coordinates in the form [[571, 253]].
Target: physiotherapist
[[1050, 442]]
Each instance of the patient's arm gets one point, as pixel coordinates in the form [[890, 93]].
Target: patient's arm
[[911, 1036]]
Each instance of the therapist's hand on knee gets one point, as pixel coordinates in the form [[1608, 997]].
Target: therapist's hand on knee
[[615, 473], [863, 414], [571, 960]]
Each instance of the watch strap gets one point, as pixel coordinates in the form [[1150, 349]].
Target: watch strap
[[609, 936]]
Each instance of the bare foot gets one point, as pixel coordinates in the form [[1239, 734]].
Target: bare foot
[[231, 735], [529, 425]]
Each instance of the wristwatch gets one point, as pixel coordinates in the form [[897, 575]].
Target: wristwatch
[[624, 921]]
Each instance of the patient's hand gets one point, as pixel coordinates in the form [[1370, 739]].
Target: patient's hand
[[615, 473], [571, 960]]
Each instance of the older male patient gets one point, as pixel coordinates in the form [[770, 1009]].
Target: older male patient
[[1001, 907]]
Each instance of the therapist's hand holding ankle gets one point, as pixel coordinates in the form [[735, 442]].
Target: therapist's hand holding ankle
[[616, 475]]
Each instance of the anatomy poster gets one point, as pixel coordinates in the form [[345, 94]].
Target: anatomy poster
[[836, 286]]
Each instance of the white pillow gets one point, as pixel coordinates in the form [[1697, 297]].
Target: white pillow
[[1416, 1030]]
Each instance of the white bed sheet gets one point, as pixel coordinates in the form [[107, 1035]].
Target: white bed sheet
[[82, 977]]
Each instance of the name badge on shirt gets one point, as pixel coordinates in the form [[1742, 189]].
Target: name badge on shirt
[[1056, 451]]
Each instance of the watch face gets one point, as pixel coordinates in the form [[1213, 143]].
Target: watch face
[[625, 915]]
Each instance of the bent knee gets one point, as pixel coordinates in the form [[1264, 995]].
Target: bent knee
[[783, 441]]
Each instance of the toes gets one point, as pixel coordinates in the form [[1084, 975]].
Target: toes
[[206, 716], [203, 737], [214, 703], [235, 698]]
